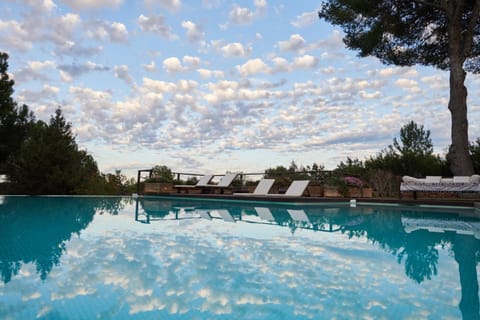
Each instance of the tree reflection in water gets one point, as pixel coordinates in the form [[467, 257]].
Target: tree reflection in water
[[417, 248], [36, 229]]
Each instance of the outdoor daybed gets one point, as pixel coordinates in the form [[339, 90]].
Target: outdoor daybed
[[439, 184]]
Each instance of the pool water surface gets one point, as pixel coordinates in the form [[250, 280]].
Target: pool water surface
[[161, 258]]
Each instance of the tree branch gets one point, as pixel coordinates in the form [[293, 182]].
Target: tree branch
[[442, 5], [474, 20]]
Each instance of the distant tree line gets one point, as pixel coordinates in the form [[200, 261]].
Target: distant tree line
[[411, 155], [44, 158]]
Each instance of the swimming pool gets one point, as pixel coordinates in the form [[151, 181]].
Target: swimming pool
[[153, 258]]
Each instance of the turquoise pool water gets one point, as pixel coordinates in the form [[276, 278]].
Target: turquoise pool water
[[118, 258]]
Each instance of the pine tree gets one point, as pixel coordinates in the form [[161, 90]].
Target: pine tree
[[49, 161], [14, 121]]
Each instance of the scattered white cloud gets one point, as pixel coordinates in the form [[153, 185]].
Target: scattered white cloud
[[236, 49], [252, 67], [170, 5], [296, 43], [305, 62], [207, 74], [157, 25], [194, 31], [35, 70], [408, 84], [240, 16], [93, 4], [260, 6], [75, 70], [305, 19], [149, 67], [47, 94], [121, 72], [173, 65], [191, 62], [112, 31]]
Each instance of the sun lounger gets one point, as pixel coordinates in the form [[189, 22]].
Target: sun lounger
[[226, 216], [296, 189], [298, 215], [224, 183], [204, 180], [263, 187], [264, 213], [204, 214]]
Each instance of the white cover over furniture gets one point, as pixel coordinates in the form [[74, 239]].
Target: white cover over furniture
[[439, 184]]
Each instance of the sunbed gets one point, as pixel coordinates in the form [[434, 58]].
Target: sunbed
[[298, 215], [296, 189], [264, 213], [263, 187], [203, 181], [224, 183], [226, 215]]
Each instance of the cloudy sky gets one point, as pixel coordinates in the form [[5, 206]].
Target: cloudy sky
[[214, 85]]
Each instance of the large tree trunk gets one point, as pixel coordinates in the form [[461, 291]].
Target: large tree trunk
[[461, 161], [465, 251]]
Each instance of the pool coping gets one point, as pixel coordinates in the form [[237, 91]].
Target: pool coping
[[450, 203], [302, 200]]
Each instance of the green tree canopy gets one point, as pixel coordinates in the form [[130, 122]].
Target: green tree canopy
[[14, 120], [439, 33], [49, 161], [162, 173], [412, 155], [414, 140]]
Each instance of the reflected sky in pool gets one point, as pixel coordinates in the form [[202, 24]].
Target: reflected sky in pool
[[89, 257]]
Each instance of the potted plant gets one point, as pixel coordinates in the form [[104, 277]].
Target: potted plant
[[334, 187], [348, 186], [354, 186], [160, 180], [315, 189]]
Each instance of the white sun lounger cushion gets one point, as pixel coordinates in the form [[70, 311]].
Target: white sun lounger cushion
[[265, 213], [227, 180], [262, 188], [297, 188]]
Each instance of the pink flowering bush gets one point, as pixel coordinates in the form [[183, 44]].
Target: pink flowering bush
[[353, 182]]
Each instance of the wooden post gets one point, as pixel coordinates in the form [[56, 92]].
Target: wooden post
[[138, 181]]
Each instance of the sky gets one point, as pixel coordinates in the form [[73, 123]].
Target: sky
[[213, 86]]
